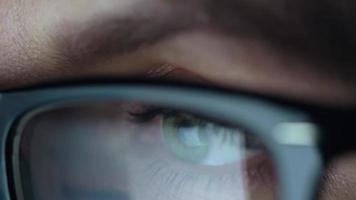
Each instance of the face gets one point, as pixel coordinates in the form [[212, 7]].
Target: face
[[53, 40]]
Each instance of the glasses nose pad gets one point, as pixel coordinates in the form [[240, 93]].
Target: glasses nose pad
[[299, 171], [299, 159]]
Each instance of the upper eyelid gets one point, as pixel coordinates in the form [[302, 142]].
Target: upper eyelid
[[147, 113]]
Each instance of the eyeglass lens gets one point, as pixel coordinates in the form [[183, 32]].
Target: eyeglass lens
[[134, 151]]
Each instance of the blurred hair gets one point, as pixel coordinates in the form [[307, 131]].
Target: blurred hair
[[319, 31]]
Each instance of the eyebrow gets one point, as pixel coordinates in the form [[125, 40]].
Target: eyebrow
[[83, 44], [109, 36], [289, 34]]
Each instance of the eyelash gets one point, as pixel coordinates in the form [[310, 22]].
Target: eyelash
[[148, 113]]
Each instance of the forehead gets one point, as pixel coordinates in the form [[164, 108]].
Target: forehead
[[317, 31], [56, 39]]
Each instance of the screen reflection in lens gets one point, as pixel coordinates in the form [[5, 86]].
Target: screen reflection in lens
[[132, 151]]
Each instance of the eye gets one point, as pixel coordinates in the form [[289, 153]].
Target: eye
[[198, 141]]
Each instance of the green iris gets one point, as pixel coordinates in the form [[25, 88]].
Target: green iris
[[198, 141], [186, 137]]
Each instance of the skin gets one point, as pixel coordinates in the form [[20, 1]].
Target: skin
[[44, 40]]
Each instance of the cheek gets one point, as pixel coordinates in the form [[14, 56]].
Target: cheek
[[340, 179]]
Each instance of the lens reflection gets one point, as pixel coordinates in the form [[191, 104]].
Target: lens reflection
[[129, 151]]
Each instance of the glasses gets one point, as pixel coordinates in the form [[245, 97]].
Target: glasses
[[135, 140]]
